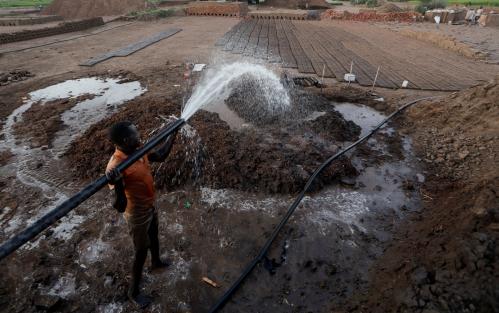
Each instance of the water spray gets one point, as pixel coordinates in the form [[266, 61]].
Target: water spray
[[214, 85]]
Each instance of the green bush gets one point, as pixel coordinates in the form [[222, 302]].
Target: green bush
[[357, 2], [372, 3], [426, 5]]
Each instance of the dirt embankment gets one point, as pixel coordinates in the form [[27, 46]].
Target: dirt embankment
[[446, 42], [93, 8], [445, 258], [263, 159]]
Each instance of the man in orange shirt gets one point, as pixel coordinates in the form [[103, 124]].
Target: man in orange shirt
[[134, 195]]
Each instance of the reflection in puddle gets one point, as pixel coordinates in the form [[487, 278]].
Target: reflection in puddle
[[364, 116], [227, 115]]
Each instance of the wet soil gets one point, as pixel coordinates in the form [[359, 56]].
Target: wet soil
[[264, 159], [444, 259], [5, 157], [320, 262], [42, 121]]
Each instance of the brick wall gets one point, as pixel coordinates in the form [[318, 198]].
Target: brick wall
[[217, 9], [51, 31]]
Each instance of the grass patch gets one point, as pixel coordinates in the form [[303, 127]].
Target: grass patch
[[153, 13], [474, 3], [23, 3], [485, 3]]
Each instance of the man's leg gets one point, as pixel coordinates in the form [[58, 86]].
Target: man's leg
[[138, 228], [138, 266], [154, 240]]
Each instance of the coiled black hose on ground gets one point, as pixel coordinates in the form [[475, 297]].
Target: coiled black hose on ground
[[263, 251]]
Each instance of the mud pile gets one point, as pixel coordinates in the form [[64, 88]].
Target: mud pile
[[445, 42], [308, 112], [41, 122], [93, 8], [389, 8], [270, 159], [14, 76], [445, 259]]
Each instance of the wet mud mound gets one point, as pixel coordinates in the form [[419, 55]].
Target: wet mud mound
[[307, 112], [93, 8], [14, 76], [42, 121], [273, 160], [445, 258]]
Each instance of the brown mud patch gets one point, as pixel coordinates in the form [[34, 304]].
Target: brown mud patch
[[5, 157], [41, 122], [14, 76], [262, 160]]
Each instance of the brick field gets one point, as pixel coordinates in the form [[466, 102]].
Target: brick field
[[312, 47]]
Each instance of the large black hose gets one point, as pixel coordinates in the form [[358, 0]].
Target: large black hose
[[67, 206], [263, 251]]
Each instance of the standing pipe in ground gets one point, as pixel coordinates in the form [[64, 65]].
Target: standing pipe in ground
[[67, 206]]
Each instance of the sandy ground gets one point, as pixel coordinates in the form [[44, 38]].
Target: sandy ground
[[485, 39], [326, 259], [185, 46]]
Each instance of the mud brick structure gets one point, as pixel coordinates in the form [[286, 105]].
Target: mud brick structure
[[50, 31], [279, 16], [19, 21], [372, 16], [214, 8], [489, 20]]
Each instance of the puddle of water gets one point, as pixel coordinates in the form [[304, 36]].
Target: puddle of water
[[367, 118], [240, 201], [93, 251], [314, 115], [110, 308], [108, 95], [64, 287], [227, 115], [336, 206]]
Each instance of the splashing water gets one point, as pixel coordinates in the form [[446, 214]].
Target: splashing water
[[218, 82]]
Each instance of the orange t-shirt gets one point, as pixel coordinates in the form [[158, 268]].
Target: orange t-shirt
[[138, 182]]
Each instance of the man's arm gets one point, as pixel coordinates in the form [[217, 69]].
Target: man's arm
[[115, 178], [162, 152], [119, 196]]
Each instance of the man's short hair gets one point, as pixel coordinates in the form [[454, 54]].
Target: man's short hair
[[120, 131]]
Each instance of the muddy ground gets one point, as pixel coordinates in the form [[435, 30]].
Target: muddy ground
[[409, 225]]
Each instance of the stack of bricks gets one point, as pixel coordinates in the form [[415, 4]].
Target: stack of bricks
[[213, 8], [51, 31], [373, 16], [16, 21]]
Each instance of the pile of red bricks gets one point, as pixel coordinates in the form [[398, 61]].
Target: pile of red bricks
[[214, 8], [372, 16]]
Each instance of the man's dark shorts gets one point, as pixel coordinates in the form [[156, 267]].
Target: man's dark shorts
[[140, 228]]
